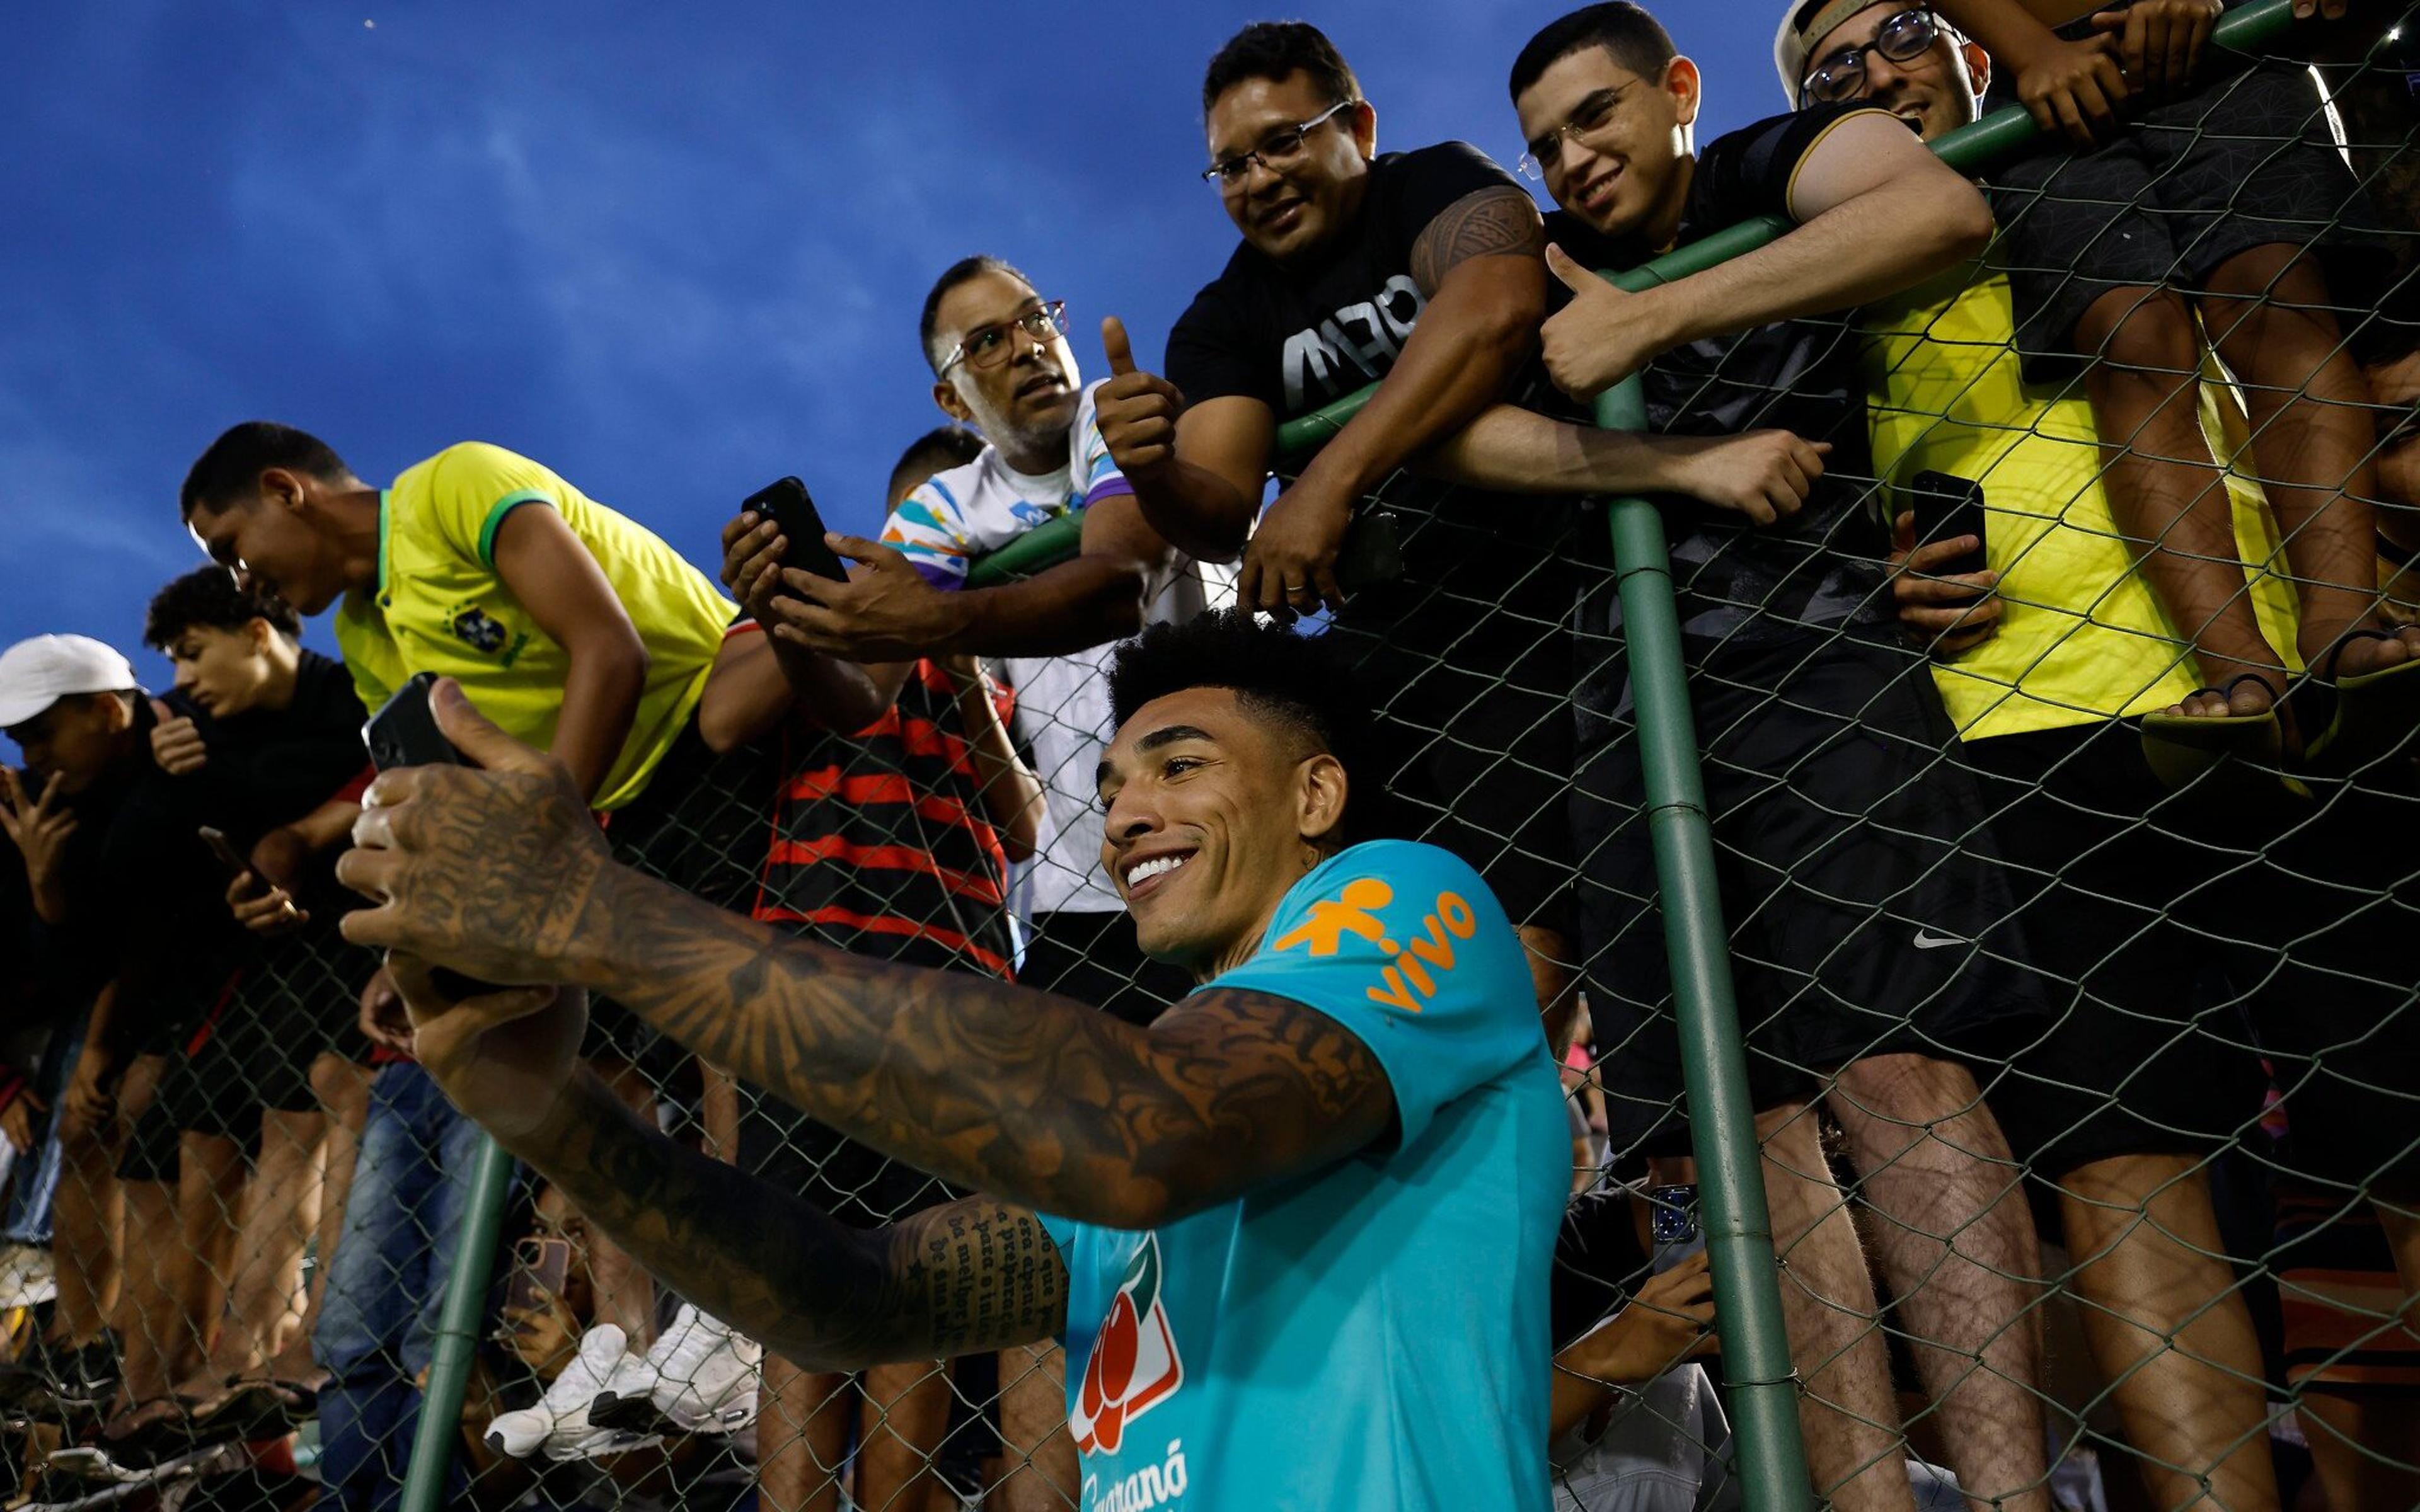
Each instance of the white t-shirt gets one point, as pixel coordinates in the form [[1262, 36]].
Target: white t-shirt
[[1063, 703]]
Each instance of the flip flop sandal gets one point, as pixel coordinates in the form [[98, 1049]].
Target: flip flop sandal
[[2183, 749], [2374, 712]]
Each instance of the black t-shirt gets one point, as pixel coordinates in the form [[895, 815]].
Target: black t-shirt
[[1740, 583], [272, 766], [1298, 335]]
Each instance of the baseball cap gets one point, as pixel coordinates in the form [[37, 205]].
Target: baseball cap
[[1803, 23], [36, 673]]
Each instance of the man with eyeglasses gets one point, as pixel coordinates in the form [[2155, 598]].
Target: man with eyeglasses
[[1417, 272], [1867, 925], [2044, 653]]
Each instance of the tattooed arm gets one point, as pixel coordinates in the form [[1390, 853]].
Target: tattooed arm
[[1040, 1101], [972, 1276], [1478, 263]]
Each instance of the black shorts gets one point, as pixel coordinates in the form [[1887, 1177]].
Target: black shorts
[[2324, 946], [703, 823], [2116, 881], [1475, 733], [1094, 959], [1867, 910], [2248, 161], [861, 1187]]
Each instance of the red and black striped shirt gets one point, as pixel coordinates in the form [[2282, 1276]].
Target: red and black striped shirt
[[880, 843]]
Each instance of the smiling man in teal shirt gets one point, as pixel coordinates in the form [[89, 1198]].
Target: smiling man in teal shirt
[[1296, 1235]]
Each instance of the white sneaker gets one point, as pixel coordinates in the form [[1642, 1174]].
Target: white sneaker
[[706, 1375], [559, 1423]]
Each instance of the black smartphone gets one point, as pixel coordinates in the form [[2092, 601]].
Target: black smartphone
[[225, 850], [1373, 551], [1672, 1224], [1945, 508], [788, 504], [404, 731]]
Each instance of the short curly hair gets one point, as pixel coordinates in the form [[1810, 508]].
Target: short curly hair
[[1302, 682], [211, 597]]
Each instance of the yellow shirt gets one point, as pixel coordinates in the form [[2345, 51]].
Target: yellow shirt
[[440, 607], [2082, 637]]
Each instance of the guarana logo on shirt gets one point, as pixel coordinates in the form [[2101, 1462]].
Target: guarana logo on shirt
[[1417, 963], [1134, 1364]]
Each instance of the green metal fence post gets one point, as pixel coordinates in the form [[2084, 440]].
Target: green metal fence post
[[457, 1329]]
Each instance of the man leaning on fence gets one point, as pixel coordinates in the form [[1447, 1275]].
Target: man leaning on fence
[[1867, 927], [1301, 1225], [1417, 272], [2127, 888]]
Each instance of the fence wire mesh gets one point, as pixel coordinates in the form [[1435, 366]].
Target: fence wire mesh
[[2084, 1051]]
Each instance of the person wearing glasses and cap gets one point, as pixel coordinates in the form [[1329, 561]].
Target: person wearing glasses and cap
[[1877, 975]]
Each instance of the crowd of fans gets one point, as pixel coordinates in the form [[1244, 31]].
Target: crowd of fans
[[2065, 849]]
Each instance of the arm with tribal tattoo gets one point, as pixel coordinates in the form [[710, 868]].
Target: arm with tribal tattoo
[[1038, 1100]]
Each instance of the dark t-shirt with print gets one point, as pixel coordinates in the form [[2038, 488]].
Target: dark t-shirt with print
[[1743, 584], [1296, 335]]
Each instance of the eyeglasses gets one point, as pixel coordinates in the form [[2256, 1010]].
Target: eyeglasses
[[987, 346], [1900, 38], [1279, 151], [1593, 114]]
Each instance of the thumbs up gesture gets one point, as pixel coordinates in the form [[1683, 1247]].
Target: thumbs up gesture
[[1138, 410], [1604, 335]]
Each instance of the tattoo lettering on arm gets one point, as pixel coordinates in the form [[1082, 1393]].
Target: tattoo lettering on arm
[[997, 1088], [1485, 222], [971, 1275]]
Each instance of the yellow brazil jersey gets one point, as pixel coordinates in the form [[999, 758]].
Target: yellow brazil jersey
[[440, 606], [2082, 637]]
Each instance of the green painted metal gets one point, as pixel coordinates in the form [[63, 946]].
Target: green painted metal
[[458, 1328]]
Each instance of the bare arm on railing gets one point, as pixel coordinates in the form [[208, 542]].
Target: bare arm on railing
[[1868, 170], [962, 1278], [500, 873], [1764, 474], [1476, 264]]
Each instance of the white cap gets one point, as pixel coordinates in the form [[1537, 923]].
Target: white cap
[[1801, 26], [36, 673]]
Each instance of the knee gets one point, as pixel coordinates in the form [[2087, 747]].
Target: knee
[[2140, 338]]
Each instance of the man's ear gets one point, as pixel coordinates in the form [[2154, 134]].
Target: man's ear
[[952, 403], [1321, 791], [259, 631], [1682, 83], [284, 487], [1365, 130], [1978, 68]]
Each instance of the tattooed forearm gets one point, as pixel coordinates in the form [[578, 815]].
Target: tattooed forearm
[[1483, 224], [1042, 1101], [969, 1276]]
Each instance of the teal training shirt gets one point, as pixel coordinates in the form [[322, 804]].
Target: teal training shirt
[[1374, 1335]]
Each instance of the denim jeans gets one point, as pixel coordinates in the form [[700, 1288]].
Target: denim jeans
[[386, 1287]]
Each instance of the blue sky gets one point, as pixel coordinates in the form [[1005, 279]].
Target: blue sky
[[672, 252]]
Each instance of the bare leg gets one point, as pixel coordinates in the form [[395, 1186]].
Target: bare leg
[[2166, 491], [343, 1090], [626, 1294], [279, 1210], [1847, 1410], [2169, 1330], [1958, 1246], [84, 1223], [1040, 1457], [2311, 432], [906, 1411], [2363, 1446], [801, 1432]]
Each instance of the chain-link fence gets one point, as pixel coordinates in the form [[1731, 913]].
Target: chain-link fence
[[2035, 1068]]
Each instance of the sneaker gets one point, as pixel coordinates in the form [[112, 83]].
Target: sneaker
[[706, 1377], [559, 1423], [28, 1277]]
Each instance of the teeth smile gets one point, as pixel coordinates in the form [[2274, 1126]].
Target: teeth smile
[[1156, 866]]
